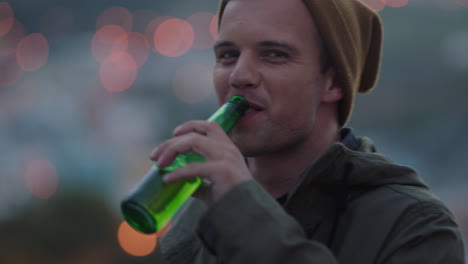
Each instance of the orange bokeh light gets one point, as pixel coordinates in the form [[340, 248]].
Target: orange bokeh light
[[41, 178], [193, 83], [107, 40], [32, 52], [6, 18], [201, 23], [117, 15], [135, 243], [174, 37], [10, 72], [118, 72], [214, 27], [376, 5], [396, 3], [135, 45], [152, 27]]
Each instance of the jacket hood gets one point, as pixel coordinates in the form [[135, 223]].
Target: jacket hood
[[361, 168]]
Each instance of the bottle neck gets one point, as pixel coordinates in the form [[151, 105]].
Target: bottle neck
[[226, 116]]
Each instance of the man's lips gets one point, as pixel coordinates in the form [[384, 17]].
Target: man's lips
[[254, 108], [250, 111]]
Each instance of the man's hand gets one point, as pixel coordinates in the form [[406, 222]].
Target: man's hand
[[224, 165]]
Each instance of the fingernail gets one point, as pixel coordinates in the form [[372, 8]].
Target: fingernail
[[174, 132], [153, 154]]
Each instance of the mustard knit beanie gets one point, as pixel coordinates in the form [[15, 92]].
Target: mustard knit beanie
[[352, 35]]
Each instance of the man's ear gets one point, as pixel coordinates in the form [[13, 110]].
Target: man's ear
[[333, 91]]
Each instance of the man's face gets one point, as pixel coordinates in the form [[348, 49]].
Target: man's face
[[269, 52]]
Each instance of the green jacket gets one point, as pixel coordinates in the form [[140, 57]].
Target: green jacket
[[348, 207]]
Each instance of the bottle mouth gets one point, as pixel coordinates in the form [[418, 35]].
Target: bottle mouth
[[241, 104], [138, 217]]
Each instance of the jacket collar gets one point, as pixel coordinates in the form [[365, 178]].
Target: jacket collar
[[309, 202]]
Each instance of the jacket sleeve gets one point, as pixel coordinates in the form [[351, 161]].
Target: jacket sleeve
[[425, 234], [181, 245], [247, 225]]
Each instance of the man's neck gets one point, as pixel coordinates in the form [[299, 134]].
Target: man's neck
[[278, 172]]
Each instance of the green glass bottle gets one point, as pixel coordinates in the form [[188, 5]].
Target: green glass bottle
[[152, 203]]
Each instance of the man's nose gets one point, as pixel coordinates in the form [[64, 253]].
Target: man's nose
[[245, 73]]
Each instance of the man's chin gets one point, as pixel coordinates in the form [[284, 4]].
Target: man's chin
[[249, 151]]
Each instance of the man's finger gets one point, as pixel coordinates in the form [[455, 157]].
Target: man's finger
[[207, 128], [192, 142], [195, 169]]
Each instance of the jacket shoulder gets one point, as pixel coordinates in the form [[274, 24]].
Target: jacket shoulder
[[408, 199], [395, 221]]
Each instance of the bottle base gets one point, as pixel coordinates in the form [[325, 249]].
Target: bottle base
[[138, 217]]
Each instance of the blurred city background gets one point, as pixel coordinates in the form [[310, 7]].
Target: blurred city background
[[89, 87]]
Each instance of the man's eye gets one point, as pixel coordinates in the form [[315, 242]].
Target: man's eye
[[228, 55], [276, 54]]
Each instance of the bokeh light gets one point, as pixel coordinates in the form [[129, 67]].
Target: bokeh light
[[152, 27], [174, 37], [376, 5], [118, 72], [41, 179], [117, 15], [10, 72], [136, 45], [56, 22], [201, 23], [6, 18], [396, 3], [13, 37], [32, 52], [107, 40], [214, 27], [135, 243], [193, 83]]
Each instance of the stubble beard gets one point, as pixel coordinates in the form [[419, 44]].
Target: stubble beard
[[266, 140], [248, 142], [256, 142]]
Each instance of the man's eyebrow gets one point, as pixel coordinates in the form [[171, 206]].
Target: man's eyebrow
[[267, 43], [221, 44], [278, 44]]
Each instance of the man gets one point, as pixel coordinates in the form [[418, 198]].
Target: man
[[290, 184]]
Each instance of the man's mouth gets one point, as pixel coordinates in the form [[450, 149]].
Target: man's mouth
[[253, 109], [254, 106]]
